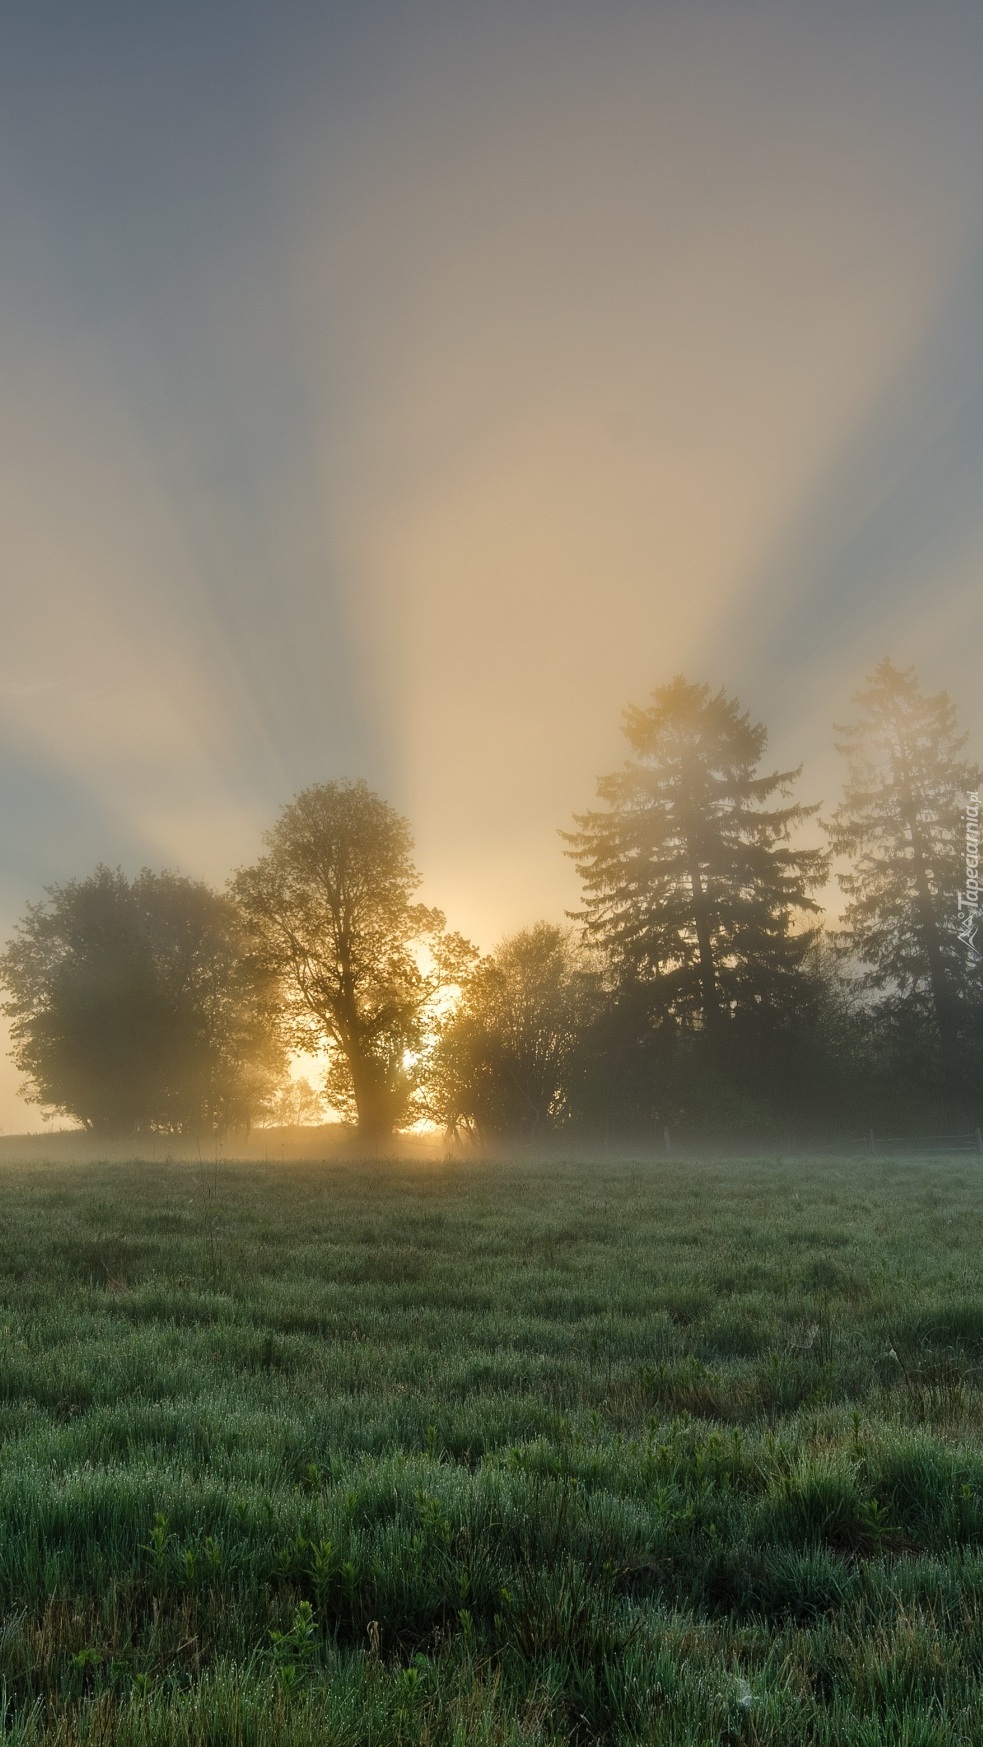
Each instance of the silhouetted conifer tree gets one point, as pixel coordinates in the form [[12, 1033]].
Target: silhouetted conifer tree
[[902, 823], [692, 887]]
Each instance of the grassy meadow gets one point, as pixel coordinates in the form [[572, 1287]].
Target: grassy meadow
[[492, 1453]]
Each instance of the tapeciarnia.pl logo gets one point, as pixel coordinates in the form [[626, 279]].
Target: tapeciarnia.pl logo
[[968, 902]]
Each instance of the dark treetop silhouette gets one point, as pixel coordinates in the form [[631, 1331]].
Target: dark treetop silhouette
[[691, 883]]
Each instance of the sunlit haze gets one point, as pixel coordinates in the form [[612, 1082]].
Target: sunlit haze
[[399, 390]]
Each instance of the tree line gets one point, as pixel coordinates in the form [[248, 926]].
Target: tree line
[[696, 987]]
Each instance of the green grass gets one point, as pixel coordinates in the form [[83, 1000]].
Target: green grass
[[673, 1453]]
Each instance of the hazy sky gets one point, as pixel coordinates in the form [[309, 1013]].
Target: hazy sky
[[398, 390]]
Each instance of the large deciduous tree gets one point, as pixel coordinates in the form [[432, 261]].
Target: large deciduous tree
[[361, 966], [902, 823], [136, 1005], [503, 1064], [693, 889]]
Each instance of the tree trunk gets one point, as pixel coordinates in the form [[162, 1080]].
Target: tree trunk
[[709, 990], [691, 811], [373, 1103]]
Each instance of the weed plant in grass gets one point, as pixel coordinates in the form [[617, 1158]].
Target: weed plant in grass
[[673, 1453]]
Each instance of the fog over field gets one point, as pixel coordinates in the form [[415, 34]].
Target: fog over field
[[399, 392]]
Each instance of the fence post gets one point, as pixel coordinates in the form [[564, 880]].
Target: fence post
[[979, 1141], [668, 1140], [870, 1141]]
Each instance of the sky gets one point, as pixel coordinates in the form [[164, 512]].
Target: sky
[[400, 389]]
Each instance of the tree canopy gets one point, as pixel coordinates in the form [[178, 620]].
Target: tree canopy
[[696, 991], [136, 1005], [902, 823], [505, 1056], [692, 885], [360, 964]]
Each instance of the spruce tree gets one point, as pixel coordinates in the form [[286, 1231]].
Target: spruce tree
[[692, 885], [902, 823]]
